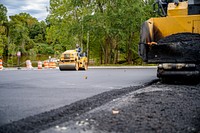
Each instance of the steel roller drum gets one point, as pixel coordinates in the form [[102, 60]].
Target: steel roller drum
[[67, 66]]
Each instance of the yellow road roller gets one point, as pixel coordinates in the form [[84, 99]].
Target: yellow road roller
[[73, 60]]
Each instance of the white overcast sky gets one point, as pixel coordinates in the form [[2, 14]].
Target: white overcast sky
[[36, 8]]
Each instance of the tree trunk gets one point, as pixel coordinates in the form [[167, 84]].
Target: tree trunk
[[115, 50], [106, 54], [103, 53], [116, 55], [107, 50], [130, 52], [101, 56], [87, 50]]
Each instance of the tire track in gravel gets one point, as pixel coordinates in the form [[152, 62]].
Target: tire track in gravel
[[57, 116]]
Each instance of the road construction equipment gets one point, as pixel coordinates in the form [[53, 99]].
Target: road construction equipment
[[73, 60], [173, 40]]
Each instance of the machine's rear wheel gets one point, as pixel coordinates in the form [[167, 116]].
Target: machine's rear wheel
[[77, 66], [61, 69], [86, 66]]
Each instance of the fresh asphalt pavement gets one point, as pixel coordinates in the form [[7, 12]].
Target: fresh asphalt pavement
[[25, 93]]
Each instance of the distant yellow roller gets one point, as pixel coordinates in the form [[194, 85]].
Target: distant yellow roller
[[72, 60]]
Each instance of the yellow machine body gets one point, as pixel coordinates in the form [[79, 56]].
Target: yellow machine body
[[177, 21], [173, 40], [166, 26], [71, 60]]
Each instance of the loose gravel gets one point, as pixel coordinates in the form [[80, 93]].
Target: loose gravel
[[157, 108], [176, 48]]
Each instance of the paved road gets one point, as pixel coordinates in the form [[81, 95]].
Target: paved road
[[25, 93]]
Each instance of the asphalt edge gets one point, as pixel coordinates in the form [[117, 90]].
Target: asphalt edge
[[90, 67]]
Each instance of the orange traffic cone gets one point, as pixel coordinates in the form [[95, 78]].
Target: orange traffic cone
[[28, 64], [1, 65], [39, 65], [52, 65], [46, 64]]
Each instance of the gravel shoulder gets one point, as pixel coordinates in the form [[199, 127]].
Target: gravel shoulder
[[155, 108]]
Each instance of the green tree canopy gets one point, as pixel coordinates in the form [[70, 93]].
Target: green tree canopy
[[3, 28], [108, 30], [109, 27], [3, 13]]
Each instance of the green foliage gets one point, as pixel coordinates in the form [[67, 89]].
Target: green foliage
[[37, 31], [3, 29], [109, 30], [24, 32], [12, 49], [3, 13], [112, 26], [3, 42], [43, 48]]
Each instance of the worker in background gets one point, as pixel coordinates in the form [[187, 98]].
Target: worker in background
[[78, 49]]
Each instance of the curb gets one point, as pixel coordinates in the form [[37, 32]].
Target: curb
[[121, 67], [90, 67]]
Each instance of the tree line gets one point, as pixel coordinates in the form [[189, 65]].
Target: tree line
[[107, 30]]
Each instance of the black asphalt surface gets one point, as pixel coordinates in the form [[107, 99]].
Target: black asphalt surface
[[147, 106], [25, 93]]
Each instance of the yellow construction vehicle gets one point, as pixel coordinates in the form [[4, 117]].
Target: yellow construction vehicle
[[73, 60], [173, 40]]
